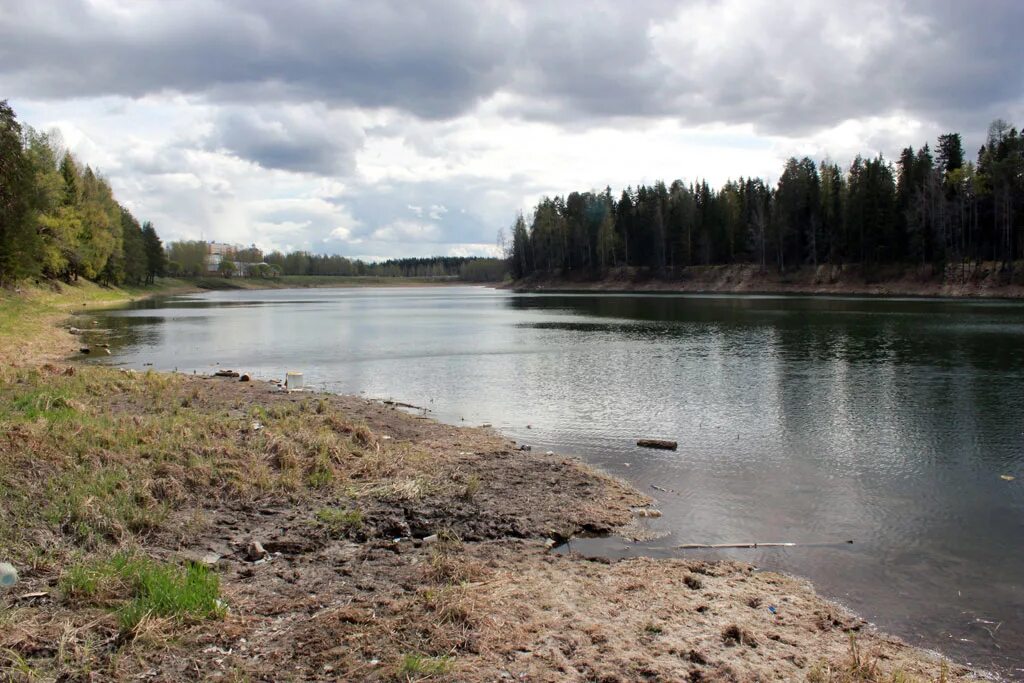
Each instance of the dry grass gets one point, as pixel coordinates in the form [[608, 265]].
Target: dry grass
[[861, 667], [94, 459], [560, 619], [113, 453]]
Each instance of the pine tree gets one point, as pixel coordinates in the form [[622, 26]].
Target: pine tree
[[156, 258], [19, 243]]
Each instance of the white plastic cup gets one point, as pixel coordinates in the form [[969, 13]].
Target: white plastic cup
[[8, 575]]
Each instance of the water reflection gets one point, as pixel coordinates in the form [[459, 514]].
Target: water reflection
[[884, 421]]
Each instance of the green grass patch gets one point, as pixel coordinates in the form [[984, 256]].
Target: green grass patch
[[45, 404], [138, 587], [420, 665], [320, 478], [340, 522]]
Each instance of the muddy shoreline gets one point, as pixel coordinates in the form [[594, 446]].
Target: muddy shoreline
[[390, 547]]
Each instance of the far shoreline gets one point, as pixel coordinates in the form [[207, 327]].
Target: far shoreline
[[981, 281]]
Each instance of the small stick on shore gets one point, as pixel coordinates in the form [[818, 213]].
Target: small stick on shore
[[694, 546], [399, 404]]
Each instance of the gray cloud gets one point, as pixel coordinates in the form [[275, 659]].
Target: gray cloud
[[786, 69], [305, 140], [432, 59]]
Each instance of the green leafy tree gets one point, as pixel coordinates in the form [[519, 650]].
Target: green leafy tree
[[227, 267], [56, 218], [190, 255]]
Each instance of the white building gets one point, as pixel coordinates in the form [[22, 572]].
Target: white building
[[217, 252]]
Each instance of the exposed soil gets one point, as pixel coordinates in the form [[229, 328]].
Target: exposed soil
[[509, 610], [981, 280]]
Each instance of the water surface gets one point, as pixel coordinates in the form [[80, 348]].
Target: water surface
[[812, 420]]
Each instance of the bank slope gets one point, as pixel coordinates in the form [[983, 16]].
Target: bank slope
[[983, 280]]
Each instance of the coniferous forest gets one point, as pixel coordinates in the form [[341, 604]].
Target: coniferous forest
[[933, 206], [59, 219]]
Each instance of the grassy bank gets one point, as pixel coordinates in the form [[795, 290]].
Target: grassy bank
[[180, 528], [30, 315]]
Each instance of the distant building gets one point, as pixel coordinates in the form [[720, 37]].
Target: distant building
[[217, 252]]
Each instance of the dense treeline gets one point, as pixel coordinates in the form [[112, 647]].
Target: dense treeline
[[60, 220], [304, 263], [188, 258], [463, 267], [929, 208]]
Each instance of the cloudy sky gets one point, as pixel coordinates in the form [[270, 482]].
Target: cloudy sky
[[377, 129]]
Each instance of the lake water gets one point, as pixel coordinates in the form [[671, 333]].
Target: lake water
[[812, 420]]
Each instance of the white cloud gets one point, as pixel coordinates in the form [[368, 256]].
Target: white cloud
[[473, 250], [341, 233], [407, 231]]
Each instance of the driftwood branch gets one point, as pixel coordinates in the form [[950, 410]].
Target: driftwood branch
[[663, 444], [693, 546]]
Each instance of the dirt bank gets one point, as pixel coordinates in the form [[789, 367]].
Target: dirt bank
[[171, 527], [981, 280]]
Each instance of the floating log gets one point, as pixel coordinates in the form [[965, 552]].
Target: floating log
[[663, 444]]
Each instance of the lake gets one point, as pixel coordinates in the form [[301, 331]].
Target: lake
[[889, 422]]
